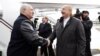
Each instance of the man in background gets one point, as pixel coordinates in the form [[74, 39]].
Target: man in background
[[87, 23], [99, 18], [44, 31]]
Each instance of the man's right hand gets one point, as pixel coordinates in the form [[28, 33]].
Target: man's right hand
[[48, 41]]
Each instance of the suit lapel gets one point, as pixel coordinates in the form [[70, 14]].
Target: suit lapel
[[62, 27], [68, 23]]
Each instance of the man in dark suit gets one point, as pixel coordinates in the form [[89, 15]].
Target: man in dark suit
[[45, 30], [71, 40], [87, 23], [24, 38]]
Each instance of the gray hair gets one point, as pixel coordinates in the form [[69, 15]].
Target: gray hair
[[23, 7], [67, 6]]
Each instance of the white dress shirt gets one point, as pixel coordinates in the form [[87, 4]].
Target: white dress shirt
[[65, 21]]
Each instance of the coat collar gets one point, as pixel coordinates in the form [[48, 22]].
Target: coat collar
[[68, 23], [61, 21], [26, 18], [23, 16]]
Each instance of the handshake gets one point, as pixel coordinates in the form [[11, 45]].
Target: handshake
[[44, 41], [48, 41]]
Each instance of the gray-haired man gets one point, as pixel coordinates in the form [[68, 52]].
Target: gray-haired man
[[24, 38]]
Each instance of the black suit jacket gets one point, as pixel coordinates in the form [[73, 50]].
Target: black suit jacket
[[45, 30], [71, 40], [24, 38]]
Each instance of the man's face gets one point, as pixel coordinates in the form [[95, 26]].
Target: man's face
[[85, 14], [44, 20], [29, 12], [65, 12]]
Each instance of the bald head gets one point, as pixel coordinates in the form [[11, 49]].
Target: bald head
[[66, 11], [27, 10]]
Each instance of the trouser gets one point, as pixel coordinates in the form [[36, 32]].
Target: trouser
[[48, 51], [88, 49], [0, 53], [51, 51], [35, 49]]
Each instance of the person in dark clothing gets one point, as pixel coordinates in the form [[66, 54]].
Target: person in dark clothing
[[99, 18], [71, 40], [87, 23], [24, 38], [35, 22], [45, 30], [77, 14]]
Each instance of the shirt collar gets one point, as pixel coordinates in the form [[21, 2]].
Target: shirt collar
[[67, 19]]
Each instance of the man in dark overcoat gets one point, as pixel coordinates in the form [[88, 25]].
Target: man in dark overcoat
[[24, 38], [71, 40]]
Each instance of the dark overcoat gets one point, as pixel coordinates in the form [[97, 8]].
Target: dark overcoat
[[87, 26], [71, 40], [24, 38]]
